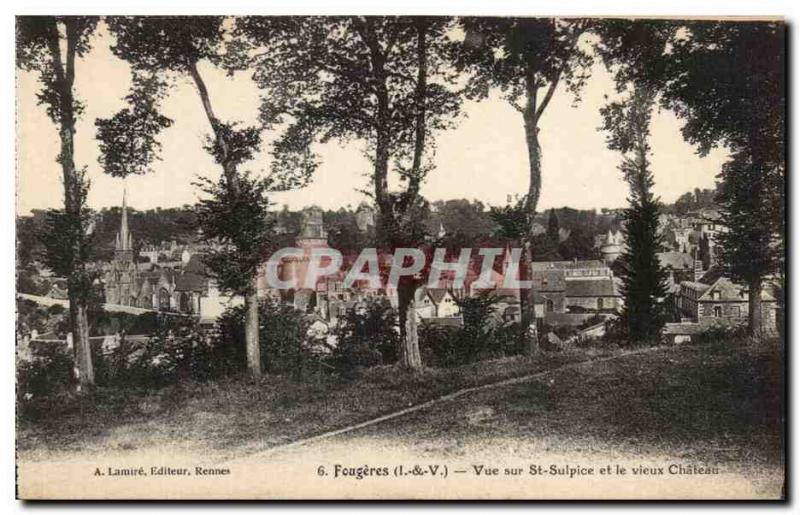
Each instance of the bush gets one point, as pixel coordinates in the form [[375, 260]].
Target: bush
[[50, 370], [367, 335], [282, 335], [177, 349], [171, 354], [43, 380], [476, 340], [440, 345], [721, 332]]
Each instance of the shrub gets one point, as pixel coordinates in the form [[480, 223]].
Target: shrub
[[477, 339], [171, 354], [50, 370], [45, 379], [440, 346], [282, 340], [367, 335], [721, 332]]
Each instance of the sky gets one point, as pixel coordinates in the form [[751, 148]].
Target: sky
[[484, 157]]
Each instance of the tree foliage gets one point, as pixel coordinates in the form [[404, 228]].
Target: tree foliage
[[523, 58], [38, 50], [128, 143], [357, 78], [236, 221]]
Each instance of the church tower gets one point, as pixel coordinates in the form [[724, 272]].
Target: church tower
[[123, 251], [122, 280]]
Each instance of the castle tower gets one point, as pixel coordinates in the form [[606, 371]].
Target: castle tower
[[365, 217], [312, 235]]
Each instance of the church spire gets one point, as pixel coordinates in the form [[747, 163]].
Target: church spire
[[124, 240]]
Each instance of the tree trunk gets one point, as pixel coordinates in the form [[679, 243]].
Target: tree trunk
[[528, 308], [64, 70], [82, 350], [251, 335], [388, 221], [754, 315], [409, 340], [530, 337]]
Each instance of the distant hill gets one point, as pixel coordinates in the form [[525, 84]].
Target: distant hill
[[466, 223], [693, 201]]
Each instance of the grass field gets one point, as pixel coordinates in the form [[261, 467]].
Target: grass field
[[717, 402], [234, 416]]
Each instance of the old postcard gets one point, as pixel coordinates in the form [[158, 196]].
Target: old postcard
[[400, 257]]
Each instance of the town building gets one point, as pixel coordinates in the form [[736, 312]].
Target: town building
[[715, 297], [569, 292], [183, 286]]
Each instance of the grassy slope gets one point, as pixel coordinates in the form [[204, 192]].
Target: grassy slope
[[716, 402], [232, 416]]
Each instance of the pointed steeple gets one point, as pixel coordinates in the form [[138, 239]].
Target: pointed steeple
[[124, 232], [124, 243]]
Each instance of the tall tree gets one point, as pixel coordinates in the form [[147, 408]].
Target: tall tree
[[643, 278], [553, 228], [526, 59], [236, 214], [727, 81], [381, 80], [49, 46]]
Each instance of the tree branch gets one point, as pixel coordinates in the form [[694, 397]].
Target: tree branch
[[546, 100]]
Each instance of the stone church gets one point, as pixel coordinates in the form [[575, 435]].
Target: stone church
[[122, 283], [183, 286]]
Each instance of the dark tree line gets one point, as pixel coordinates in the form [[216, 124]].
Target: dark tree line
[[726, 81]]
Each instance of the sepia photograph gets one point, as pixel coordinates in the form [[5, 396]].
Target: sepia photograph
[[411, 257]]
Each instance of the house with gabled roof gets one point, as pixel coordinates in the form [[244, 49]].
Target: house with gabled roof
[[717, 297], [436, 303]]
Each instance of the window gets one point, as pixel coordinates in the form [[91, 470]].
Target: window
[[717, 311], [186, 303], [600, 303], [163, 299], [549, 306], [715, 295]]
